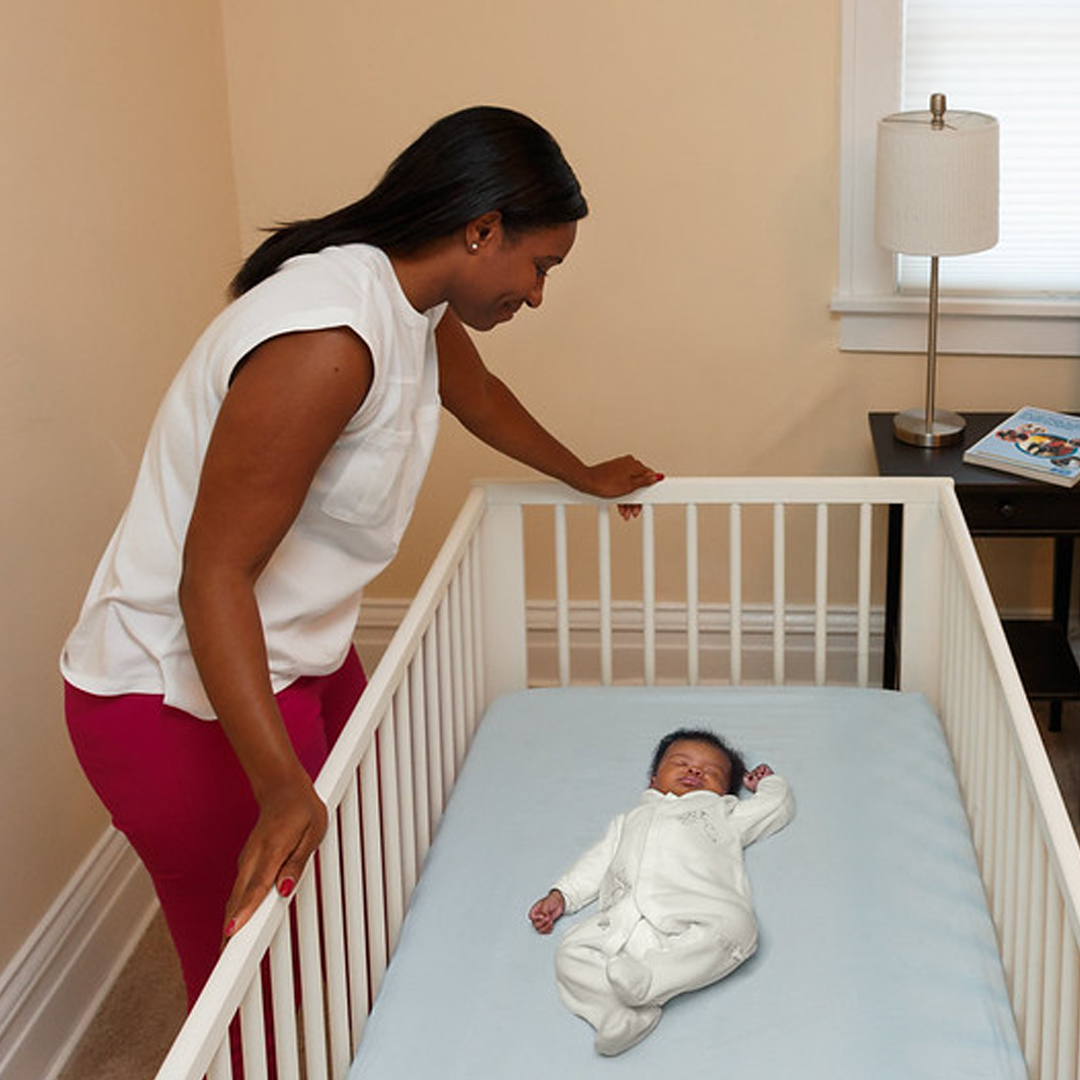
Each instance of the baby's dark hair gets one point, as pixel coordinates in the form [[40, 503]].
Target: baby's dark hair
[[702, 735]]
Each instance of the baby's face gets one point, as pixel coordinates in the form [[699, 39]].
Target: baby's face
[[688, 765]]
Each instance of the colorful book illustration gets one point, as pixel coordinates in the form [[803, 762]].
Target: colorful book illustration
[[1036, 443]]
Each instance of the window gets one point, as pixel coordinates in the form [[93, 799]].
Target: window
[[1018, 63]]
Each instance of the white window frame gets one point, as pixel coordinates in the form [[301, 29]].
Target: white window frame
[[873, 316]]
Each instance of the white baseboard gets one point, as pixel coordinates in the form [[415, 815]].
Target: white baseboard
[[380, 618], [55, 984]]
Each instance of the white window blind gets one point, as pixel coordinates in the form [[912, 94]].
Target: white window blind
[[1019, 62]]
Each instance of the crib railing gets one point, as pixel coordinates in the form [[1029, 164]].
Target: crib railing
[[292, 990], [301, 976], [1025, 841], [735, 498]]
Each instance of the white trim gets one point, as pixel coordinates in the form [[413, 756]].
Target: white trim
[[56, 982], [970, 327], [869, 89], [872, 317], [381, 617]]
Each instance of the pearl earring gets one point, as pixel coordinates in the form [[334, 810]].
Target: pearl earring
[[474, 246]]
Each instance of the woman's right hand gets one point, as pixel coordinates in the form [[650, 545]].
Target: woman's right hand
[[291, 824]]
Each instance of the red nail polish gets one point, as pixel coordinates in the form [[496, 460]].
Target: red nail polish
[[287, 886], [230, 928]]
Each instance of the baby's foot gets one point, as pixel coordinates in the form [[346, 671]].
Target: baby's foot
[[625, 1029], [630, 979]]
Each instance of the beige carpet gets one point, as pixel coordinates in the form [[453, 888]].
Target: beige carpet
[[140, 1017]]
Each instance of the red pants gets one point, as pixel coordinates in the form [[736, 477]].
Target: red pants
[[175, 789]]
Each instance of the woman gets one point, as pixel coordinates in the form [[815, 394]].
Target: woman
[[279, 475]]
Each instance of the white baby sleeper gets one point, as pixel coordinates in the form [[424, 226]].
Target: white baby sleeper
[[675, 908]]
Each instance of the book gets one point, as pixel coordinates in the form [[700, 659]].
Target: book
[[1037, 443]]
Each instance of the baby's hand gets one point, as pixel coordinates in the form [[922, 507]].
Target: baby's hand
[[755, 776], [547, 911]]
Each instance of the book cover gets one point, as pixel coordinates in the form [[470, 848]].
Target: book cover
[[1036, 443]]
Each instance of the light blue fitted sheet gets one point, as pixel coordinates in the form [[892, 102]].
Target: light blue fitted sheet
[[877, 957]]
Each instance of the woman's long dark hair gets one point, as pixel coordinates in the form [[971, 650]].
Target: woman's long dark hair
[[465, 165]]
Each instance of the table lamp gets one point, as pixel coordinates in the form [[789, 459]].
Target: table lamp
[[936, 194]]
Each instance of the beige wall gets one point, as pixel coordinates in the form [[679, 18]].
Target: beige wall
[[691, 323], [690, 326], [118, 213]]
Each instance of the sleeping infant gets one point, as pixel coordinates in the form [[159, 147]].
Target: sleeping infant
[[675, 910]]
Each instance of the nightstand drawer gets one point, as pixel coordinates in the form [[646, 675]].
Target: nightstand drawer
[[1002, 511]]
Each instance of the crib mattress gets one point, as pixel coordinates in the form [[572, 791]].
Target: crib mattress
[[877, 957]]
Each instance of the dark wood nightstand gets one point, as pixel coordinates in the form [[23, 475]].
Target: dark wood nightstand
[[994, 504]]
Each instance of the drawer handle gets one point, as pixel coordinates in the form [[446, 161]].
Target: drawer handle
[[1006, 509]]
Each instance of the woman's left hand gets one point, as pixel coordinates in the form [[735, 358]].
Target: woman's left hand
[[488, 408], [620, 476]]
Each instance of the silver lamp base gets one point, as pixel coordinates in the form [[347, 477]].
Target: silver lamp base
[[910, 426]]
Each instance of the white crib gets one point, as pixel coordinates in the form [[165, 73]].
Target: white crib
[[475, 628]]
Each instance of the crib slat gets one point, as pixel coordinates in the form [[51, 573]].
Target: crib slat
[[311, 986], [421, 762], [333, 929], [735, 588], [693, 646], [1052, 955], [406, 798], [391, 822], [436, 795], [468, 650], [283, 1004], [1022, 895], [821, 593], [446, 698], [479, 667], [972, 688], [355, 915], [457, 677], [253, 1027], [562, 596], [1011, 871], [863, 617], [1003, 826], [371, 820], [604, 541], [985, 765], [779, 594], [648, 590], [1035, 949], [981, 706], [1068, 1008]]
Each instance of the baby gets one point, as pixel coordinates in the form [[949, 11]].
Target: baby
[[675, 910]]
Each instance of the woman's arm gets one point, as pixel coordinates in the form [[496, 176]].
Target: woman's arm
[[287, 405], [487, 408]]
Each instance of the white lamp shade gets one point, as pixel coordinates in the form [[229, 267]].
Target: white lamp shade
[[937, 187]]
